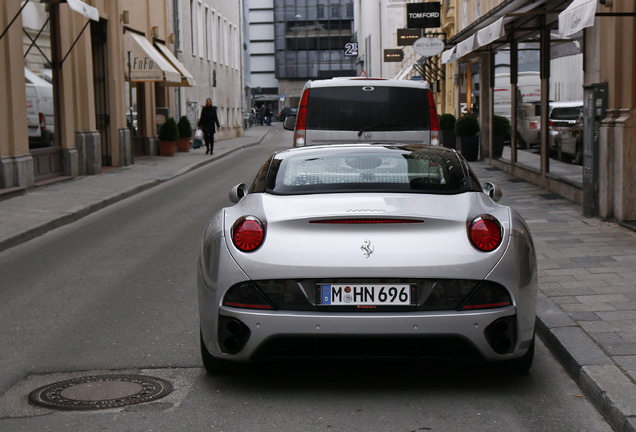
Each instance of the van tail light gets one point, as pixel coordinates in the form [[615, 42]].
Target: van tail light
[[301, 121], [432, 115], [534, 125], [485, 233], [248, 233], [42, 120]]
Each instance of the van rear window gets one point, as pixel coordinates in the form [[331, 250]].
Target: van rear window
[[368, 108]]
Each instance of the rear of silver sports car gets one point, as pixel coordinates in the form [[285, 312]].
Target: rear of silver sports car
[[378, 275]]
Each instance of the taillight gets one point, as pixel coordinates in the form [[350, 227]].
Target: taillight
[[42, 120], [534, 125], [432, 114], [248, 233], [485, 233], [301, 120]]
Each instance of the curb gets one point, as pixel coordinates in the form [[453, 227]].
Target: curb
[[606, 386]]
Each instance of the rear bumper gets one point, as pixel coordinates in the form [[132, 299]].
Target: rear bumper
[[274, 334]]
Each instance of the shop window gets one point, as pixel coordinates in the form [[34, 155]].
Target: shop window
[[565, 112], [528, 104], [502, 92]]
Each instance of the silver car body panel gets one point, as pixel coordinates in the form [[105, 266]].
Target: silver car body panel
[[437, 248]]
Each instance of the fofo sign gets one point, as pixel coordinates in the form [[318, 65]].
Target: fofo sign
[[423, 15]]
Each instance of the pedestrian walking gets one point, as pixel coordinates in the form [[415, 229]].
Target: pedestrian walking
[[268, 114], [209, 122]]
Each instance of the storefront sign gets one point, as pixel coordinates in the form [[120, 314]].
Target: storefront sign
[[406, 37], [423, 15], [428, 46], [393, 55]]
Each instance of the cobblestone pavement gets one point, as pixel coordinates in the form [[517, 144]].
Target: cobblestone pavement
[[587, 268]]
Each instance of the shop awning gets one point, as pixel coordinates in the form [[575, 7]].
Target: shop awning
[[82, 8], [576, 17], [466, 46], [147, 64], [491, 33], [187, 80], [449, 55], [491, 29]]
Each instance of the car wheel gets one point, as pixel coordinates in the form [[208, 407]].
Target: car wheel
[[216, 366], [522, 364]]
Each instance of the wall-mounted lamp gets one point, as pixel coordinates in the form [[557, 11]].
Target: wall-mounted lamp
[[154, 31], [125, 17]]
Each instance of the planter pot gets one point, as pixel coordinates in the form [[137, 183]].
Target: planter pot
[[449, 139], [470, 147], [497, 146], [183, 145], [167, 148]]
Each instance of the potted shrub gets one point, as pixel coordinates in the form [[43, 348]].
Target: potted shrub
[[168, 136], [447, 126], [467, 129], [185, 133], [500, 130]]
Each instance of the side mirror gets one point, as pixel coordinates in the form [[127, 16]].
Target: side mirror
[[492, 191], [290, 122], [238, 192]]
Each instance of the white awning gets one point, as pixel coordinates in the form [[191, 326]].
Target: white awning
[[576, 17], [148, 64], [449, 55], [82, 8], [187, 80], [491, 33], [467, 46]]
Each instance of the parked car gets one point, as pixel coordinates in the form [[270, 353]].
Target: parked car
[[347, 250], [40, 112], [566, 131], [285, 112], [358, 110]]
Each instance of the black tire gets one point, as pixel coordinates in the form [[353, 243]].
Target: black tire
[[216, 366], [522, 364]]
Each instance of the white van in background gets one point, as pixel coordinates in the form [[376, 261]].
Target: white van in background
[[40, 111], [358, 110]]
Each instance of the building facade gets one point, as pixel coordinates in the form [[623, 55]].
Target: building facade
[[87, 84], [554, 69], [292, 42]]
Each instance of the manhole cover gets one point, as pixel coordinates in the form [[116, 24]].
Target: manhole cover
[[100, 392]]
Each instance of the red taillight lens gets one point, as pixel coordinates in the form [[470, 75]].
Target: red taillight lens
[[248, 234], [534, 125], [432, 109], [485, 233], [301, 120], [42, 120]]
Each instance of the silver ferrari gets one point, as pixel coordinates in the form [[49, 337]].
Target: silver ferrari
[[367, 250]]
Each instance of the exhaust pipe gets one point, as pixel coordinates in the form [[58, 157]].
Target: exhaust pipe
[[233, 335]]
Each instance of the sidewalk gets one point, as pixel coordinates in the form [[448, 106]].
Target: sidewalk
[[587, 268], [45, 208]]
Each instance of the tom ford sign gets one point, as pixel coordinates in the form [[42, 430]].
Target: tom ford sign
[[423, 15]]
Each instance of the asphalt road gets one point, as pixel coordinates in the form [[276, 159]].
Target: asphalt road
[[116, 292]]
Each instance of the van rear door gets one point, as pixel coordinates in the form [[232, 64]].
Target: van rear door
[[352, 114]]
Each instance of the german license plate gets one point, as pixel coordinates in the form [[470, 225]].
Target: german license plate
[[366, 295]]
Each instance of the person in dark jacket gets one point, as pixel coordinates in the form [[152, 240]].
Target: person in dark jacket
[[209, 122]]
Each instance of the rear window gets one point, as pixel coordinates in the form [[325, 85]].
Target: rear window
[[368, 108], [381, 169], [566, 113]]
